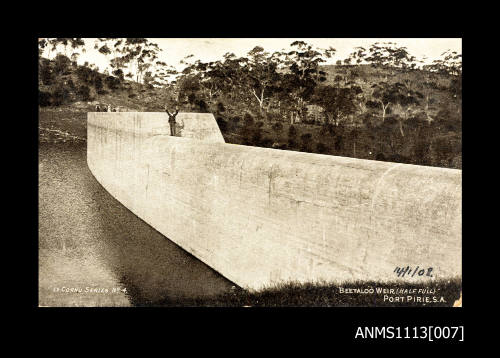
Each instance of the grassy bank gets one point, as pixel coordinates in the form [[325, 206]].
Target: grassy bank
[[62, 125], [435, 294]]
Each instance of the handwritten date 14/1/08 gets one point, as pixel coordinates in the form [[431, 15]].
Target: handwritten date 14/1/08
[[402, 271]]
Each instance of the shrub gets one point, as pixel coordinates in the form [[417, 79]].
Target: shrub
[[234, 123], [421, 151], [46, 74], [191, 98], [266, 142], [367, 119], [457, 162], [327, 128], [61, 64], [249, 131], [84, 74], [118, 73], [248, 119], [447, 120], [321, 148], [222, 124], [59, 96], [274, 117], [306, 137], [306, 140], [98, 83], [220, 107], [202, 106], [71, 84], [380, 156], [338, 143], [417, 121], [84, 92], [44, 99], [442, 150], [113, 83], [260, 116], [256, 136], [398, 158], [277, 127]]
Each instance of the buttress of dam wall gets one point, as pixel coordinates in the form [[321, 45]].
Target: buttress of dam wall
[[263, 216]]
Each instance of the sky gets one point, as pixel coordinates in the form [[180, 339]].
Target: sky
[[210, 49]]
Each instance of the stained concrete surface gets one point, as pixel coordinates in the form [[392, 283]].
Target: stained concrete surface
[[261, 216]]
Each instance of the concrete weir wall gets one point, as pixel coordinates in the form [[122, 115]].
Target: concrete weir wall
[[262, 216]]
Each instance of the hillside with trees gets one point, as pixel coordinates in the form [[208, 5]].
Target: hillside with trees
[[380, 103]]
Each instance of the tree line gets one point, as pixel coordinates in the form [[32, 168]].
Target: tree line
[[379, 103]]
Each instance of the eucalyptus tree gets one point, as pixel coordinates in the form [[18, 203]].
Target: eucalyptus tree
[[42, 45], [397, 96], [137, 55], [230, 75], [450, 64], [66, 43], [74, 58], [337, 102], [427, 85], [61, 64], [388, 54], [384, 93], [78, 44], [226, 76], [111, 48], [277, 128], [163, 74], [200, 78], [358, 56], [211, 77], [302, 73], [261, 74]]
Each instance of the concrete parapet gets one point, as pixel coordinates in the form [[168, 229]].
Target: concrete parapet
[[262, 216]]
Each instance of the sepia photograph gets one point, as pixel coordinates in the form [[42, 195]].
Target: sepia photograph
[[250, 172]]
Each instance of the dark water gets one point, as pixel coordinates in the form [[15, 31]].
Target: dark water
[[95, 252]]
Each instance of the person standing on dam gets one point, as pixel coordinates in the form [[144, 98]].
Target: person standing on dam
[[171, 119]]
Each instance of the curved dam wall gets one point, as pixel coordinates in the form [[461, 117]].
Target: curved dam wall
[[262, 216]]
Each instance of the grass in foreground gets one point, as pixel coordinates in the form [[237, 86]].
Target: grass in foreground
[[433, 294]]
